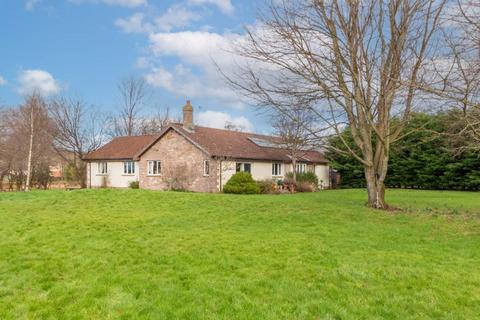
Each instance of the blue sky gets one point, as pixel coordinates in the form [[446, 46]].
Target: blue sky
[[84, 47]]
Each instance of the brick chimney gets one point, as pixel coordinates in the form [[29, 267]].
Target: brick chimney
[[188, 116]]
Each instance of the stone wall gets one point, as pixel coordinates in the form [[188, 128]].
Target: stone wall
[[180, 160]]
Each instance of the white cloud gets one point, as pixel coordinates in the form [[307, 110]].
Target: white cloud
[[122, 3], [175, 17], [215, 119], [2, 81], [134, 24], [183, 81], [225, 6], [30, 4], [37, 80], [196, 74]]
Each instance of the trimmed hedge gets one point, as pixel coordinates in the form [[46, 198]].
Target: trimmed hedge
[[241, 183]]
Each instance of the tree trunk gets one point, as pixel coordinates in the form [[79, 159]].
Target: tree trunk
[[375, 189], [294, 165], [81, 171], [30, 147]]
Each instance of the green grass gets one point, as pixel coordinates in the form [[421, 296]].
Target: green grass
[[123, 254]]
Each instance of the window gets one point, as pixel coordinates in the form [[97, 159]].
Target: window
[[102, 168], [276, 169], [301, 167], [154, 167], [129, 167], [206, 168], [247, 167]]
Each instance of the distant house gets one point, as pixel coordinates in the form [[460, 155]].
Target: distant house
[[195, 158]]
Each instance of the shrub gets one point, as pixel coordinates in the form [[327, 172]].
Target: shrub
[[267, 186], [134, 184], [241, 183], [304, 186], [310, 177]]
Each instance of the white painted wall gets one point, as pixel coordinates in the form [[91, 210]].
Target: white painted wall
[[115, 177], [227, 170], [322, 172], [263, 171]]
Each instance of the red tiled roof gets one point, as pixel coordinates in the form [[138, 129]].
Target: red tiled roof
[[238, 145], [216, 142], [121, 148]]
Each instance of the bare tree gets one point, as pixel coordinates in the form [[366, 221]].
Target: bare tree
[[458, 75], [294, 130], [133, 92], [355, 63], [35, 110], [27, 142], [156, 123], [78, 131]]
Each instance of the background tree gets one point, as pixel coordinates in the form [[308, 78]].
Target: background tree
[[458, 74], [28, 141], [294, 130], [78, 131], [134, 93], [426, 158], [156, 123], [355, 63]]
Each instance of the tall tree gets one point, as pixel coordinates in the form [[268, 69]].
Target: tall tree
[[28, 140], [36, 116], [355, 63], [78, 131], [134, 93]]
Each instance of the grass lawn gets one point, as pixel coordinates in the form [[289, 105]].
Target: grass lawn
[[123, 254]]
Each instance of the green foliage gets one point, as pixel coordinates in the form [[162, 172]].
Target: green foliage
[[140, 254], [267, 186], [303, 178], [241, 183], [425, 158], [70, 172], [134, 184], [41, 177]]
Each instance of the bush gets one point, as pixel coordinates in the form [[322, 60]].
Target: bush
[[241, 183], [267, 186], [306, 181], [304, 186], [134, 184], [310, 177]]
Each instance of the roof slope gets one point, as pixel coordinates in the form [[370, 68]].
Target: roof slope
[[216, 142], [121, 148], [238, 145]]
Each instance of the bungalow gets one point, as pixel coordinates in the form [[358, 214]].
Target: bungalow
[[195, 158]]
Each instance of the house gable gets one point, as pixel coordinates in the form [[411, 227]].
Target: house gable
[[180, 159], [162, 134]]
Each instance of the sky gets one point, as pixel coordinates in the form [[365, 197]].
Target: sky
[[83, 48]]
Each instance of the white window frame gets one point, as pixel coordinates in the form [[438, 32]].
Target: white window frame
[[206, 168], [242, 167], [128, 168], [151, 164], [102, 168], [301, 167], [276, 169]]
